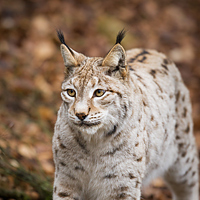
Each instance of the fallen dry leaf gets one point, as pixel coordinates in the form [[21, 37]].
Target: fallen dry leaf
[[27, 151]]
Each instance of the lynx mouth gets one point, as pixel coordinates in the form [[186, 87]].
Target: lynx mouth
[[87, 124]]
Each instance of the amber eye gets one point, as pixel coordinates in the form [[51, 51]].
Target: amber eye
[[71, 92], [99, 93]]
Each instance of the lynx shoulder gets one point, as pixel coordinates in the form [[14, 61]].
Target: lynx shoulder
[[124, 120]]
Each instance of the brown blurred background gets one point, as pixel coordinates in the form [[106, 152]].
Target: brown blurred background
[[31, 70]]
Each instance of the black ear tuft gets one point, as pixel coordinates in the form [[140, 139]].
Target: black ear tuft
[[62, 39], [120, 36], [61, 36]]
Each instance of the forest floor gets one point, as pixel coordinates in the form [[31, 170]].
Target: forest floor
[[31, 72]]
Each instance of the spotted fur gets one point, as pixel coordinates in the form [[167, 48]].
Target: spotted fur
[[108, 147]]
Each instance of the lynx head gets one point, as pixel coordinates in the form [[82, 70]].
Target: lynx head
[[95, 91]]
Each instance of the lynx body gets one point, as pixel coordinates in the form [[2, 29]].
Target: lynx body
[[125, 119]]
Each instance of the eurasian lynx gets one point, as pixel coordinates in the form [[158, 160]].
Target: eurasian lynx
[[124, 120]]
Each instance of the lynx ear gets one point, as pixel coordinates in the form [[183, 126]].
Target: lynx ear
[[68, 57], [71, 58], [116, 57], [116, 60]]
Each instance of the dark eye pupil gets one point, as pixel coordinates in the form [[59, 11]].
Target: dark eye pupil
[[98, 91]]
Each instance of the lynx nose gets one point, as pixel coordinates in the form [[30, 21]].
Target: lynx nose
[[81, 116]]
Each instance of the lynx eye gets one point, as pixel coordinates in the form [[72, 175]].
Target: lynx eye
[[71, 92], [99, 93]]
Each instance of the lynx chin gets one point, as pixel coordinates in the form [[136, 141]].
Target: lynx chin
[[124, 120]]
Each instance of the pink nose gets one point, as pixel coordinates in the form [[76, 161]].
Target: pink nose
[[81, 116]]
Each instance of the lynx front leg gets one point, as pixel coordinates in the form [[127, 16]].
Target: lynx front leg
[[117, 189], [66, 185], [63, 191], [182, 177], [122, 182]]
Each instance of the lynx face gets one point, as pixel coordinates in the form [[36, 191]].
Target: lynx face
[[93, 103]]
